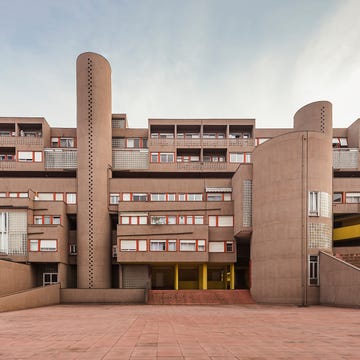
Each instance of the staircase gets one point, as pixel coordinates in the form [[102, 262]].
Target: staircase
[[199, 297]]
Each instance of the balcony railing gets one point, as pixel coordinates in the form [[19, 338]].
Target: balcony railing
[[21, 140], [202, 166], [130, 159], [205, 142], [346, 158], [60, 158]]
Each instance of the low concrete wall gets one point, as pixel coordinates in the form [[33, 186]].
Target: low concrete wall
[[120, 296], [339, 282], [41, 296], [15, 277]]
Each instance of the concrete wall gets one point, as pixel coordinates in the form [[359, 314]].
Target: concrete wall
[[37, 297], [339, 282], [94, 163], [15, 277], [102, 295]]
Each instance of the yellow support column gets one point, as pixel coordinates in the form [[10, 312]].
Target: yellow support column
[[176, 277], [204, 276], [232, 276]]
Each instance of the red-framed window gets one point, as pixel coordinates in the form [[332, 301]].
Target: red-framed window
[[221, 220], [10, 194], [240, 157], [162, 157], [43, 245], [47, 219], [63, 142], [29, 156], [218, 196]]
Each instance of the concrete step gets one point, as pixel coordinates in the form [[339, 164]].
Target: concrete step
[[199, 297]]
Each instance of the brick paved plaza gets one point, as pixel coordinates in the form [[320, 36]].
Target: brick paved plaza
[[180, 332]]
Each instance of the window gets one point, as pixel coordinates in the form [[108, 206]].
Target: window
[[214, 158], [72, 249], [44, 196], [71, 198], [194, 197], [128, 245], [114, 198], [155, 135], [43, 245], [314, 202], [171, 245], [339, 142], [63, 142], [50, 278], [157, 245], [216, 246], [229, 246], [133, 245], [353, 198], [59, 196], [218, 220], [162, 197], [187, 245], [201, 245], [240, 157], [219, 197], [47, 219], [139, 197], [126, 196], [162, 157], [30, 156], [132, 219], [198, 219], [188, 158], [313, 270], [158, 220], [338, 197]]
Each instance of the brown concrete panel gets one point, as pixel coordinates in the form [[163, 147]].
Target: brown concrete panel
[[15, 277], [339, 282]]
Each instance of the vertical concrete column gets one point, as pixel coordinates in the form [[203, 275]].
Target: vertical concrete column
[[204, 276], [232, 276], [176, 277], [94, 160]]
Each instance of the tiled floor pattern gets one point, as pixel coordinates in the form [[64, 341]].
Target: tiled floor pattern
[[116, 332]]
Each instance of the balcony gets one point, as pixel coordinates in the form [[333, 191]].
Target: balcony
[[60, 158], [130, 159], [201, 166], [346, 158], [346, 233], [20, 140]]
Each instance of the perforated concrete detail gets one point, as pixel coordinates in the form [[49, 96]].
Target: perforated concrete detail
[[322, 119], [90, 173]]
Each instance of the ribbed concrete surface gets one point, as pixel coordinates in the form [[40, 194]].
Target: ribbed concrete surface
[[199, 297]]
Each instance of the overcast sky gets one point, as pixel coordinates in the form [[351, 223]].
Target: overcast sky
[[261, 59]]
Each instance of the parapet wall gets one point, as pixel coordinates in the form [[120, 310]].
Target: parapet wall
[[339, 282], [15, 277], [37, 297]]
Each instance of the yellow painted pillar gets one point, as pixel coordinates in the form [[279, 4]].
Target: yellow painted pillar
[[232, 276], [204, 276], [176, 277]]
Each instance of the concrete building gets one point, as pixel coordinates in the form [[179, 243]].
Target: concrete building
[[183, 204]]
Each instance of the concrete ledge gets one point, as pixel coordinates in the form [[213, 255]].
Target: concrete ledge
[[114, 296], [41, 296]]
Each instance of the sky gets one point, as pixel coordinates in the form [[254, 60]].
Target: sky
[[261, 59]]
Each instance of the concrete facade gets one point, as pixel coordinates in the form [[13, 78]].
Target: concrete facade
[[185, 204]]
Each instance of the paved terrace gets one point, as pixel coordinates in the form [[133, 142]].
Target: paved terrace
[[180, 332]]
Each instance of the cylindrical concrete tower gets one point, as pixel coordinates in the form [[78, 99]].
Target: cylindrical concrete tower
[[292, 193], [94, 160]]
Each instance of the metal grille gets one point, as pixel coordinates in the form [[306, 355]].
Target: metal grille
[[135, 276], [118, 142], [247, 203], [130, 159], [62, 159], [14, 235], [345, 158]]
